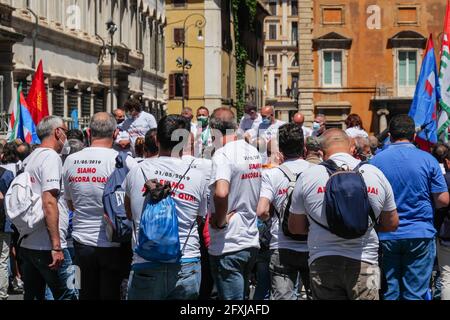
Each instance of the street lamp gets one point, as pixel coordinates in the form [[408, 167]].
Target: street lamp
[[111, 27], [34, 33], [199, 24]]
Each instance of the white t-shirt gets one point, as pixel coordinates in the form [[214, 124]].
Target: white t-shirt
[[356, 132], [266, 132], [85, 177], [307, 132], [240, 164], [139, 127], [248, 124], [45, 168], [274, 188], [308, 198], [191, 197]]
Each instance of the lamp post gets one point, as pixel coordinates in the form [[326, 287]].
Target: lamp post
[[112, 28], [200, 23], [34, 34]]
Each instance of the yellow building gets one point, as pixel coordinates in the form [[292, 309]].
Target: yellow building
[[206, 28]]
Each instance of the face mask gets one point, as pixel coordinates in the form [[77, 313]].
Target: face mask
[[316, 126], [203, 121], [266, 121], [66, 148], [120, 121]]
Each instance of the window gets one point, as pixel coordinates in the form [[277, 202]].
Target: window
[[294, 33], [273, 60], [332, 68], [179, 3], [407, 72], [272, 32], [294, 8], [273, 8], [275, 87], [295, 60], [176, 86], [178, 35]]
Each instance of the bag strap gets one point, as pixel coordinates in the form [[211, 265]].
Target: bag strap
[[292, 181], [331, 166], [121, 159], [288, 173]]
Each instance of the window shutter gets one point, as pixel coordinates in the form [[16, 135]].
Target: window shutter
[[178, 35], [171, 86], [186, 91]]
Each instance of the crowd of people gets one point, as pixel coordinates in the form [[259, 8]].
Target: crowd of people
[[263, 209]]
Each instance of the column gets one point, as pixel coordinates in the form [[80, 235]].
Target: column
[[284, 72], [66, 100], [382, 114], [50, 98], [92, 101]]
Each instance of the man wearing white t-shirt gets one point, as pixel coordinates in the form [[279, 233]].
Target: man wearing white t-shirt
[[341, 269], [235, 184], [85, 176], [42, 251], [151, 280], [265, 132], [251, 119], [289, 257], [138, 123]]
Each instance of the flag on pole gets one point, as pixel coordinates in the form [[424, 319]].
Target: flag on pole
[[444, 79], [424, 106], [14, 120], [28, 132], [37, 96]]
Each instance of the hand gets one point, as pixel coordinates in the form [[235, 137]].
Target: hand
[[58, 259], [218, 225]]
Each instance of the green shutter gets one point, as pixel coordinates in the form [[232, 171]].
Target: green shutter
[[327, 67], [402, 68], [337, 75], [412, 68]]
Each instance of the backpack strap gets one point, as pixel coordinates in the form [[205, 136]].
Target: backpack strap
[[292, 182], [331, 166]]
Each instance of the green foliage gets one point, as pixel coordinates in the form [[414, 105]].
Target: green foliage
[[240, 51]]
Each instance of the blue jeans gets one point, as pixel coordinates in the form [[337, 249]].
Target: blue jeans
[[67, 273], [166, 282], [37, 274], [408, 266], [262, 291], [231, 273]]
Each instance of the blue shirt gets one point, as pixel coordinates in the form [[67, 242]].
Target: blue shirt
[[414, 176]]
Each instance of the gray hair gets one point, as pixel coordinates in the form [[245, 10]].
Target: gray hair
[[103, 125], [75, 146], [361, 143], [47, 126]]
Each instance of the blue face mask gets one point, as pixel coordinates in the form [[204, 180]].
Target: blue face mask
[[266, 121]]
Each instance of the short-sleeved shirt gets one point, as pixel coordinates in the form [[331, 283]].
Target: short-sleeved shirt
[[355, 132], [191, 197], [139, 127], [308, 199], [45, 169], [85, 176], [238, 163], [414, 175], [274, 188]]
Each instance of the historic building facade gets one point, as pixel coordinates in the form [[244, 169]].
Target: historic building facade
[[206, 27], [352, 56], [72, 40]]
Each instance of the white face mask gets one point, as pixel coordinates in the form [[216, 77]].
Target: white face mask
[[66, 148]]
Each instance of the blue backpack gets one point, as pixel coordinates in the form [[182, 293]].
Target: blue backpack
[[159, 239], [347, 202], [118, 227]]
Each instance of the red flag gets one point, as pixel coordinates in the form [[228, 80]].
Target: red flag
[[37, 96]]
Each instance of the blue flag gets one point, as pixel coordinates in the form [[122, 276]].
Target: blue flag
[[74, 116], [426, 98]]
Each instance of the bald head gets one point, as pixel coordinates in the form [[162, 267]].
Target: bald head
[[335, 141], [269, 114], [298, 119], [224, 120]]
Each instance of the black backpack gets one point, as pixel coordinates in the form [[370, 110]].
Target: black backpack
[[2, 207], [347, 202], [283, 216]]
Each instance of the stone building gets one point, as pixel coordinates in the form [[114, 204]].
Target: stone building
[[352, 56], [210, 49], [72, 40]]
